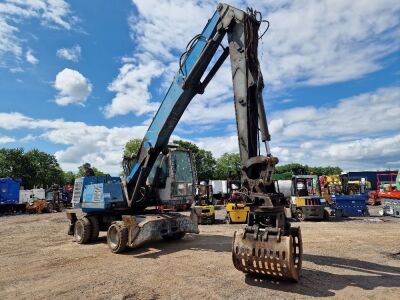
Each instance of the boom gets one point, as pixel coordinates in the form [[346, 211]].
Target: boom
[[242, 31], [268, 245]]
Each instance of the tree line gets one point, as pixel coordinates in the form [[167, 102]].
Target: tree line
[[39, 169], [36, 168], [229, 165]]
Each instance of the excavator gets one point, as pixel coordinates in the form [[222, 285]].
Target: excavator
[[268, 245]]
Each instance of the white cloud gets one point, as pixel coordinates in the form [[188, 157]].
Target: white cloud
[[366, 149], [322, 42], [306, 145], [131, 87], [6, 139], [355, 154], [57, 13], [28, 138], [99, 145], [219, 145], [359, 115], [359, 132], [50, 13], [9, 42], [30, 58], [72, 54], [309, 43], [16, 70], [153, 56], [73, 87]]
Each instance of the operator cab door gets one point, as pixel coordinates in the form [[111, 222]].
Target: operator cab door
[[173, 176]]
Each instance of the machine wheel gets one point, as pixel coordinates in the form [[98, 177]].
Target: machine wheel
[[82, 231], [61, 207], [299, 215], [174, 236], [94, 222], [50, 207], [326, 215], [117, 237], [250, 219], [228, 219], [339, 213]]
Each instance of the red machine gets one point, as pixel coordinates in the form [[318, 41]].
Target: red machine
[[386, 189]]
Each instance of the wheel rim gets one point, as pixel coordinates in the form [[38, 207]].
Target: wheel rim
[[299, 215], [113, 237], [78, 231]]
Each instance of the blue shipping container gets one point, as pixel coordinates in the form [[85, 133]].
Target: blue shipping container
[[9, 190]]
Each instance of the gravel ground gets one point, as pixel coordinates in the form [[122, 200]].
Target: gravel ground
[[358, 258]]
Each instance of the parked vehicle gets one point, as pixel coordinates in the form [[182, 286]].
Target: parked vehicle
[[306, 202], [349, 200], [236, 209], [204, 204], [387, 193], [9, 196]]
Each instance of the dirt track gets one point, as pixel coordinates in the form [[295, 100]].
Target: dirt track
[[349, 259]]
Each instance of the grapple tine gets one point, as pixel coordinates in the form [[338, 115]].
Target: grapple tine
[[277, 257]]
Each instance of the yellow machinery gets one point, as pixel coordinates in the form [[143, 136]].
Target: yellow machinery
[[236, 210], [306, 201], [204, 207], [205, 214], [236, 213]]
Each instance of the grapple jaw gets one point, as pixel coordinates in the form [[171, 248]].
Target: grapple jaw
[[270, 254]]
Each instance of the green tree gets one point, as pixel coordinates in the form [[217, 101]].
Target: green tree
[[34, 168], [228, 165], [286, 171], [293, 168], [14, 164], [97, 172], [132, 147], [47, 169], [131, 150], [69, 177], [204, 160]]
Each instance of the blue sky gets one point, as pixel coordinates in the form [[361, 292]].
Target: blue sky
[[80, 78]]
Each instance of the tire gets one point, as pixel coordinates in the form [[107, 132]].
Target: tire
[[174, 236], [299, 215], [50, 207], [339, 213], [61, 207], [82, 231], [326, 215], [117, 237], [94, 222], [250, 219], [228, 219]]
